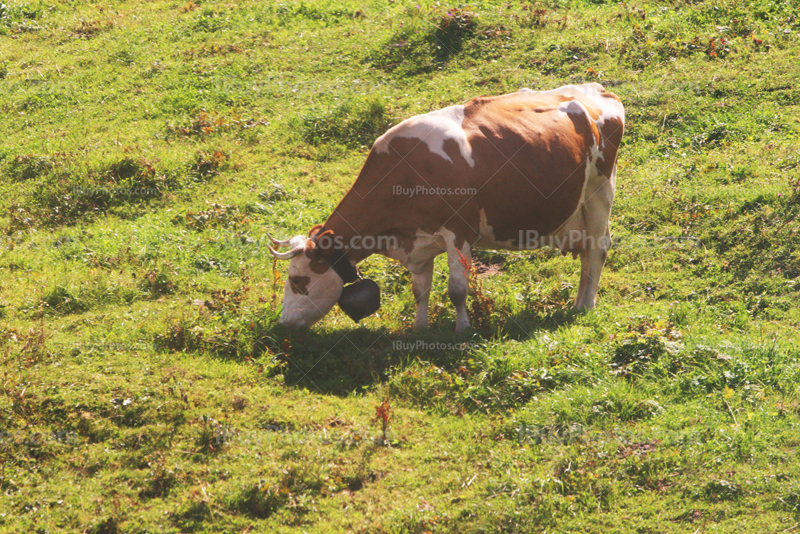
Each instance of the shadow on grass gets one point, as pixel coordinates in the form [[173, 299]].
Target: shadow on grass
[[345, 361]]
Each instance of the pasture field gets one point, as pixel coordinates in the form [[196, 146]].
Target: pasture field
[[147, 147]]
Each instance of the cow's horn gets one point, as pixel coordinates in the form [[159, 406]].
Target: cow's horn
[[287, 255], [278, 242]]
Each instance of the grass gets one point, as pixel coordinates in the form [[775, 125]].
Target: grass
[[148, 147]]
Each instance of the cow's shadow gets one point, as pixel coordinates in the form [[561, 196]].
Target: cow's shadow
[[343, 361]]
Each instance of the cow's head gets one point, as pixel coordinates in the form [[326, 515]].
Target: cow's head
[[312, 286], [318, 271]]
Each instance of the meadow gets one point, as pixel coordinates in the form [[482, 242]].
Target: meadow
[[146, 149]]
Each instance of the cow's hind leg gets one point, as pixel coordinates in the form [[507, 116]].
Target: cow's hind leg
[[596, 240], [592, 261], [421, 284], [584, 277], [459, 262]]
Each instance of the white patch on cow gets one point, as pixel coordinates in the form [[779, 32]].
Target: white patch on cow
[[486, 231], [610, 108], [425, 247], [434, 128], [576, 107], [573, 107]]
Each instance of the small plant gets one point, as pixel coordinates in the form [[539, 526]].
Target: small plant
[[107, 526], [157, 282], [276, 193], [260, 501], [644, 343], [61, 300], [206, 124], [452, 28], [182, 334], [383, 415], [722, 490], [32, 347], [89, 29], [482, 307], [209, 164], [211, 437], [354, 123], [203, 124]]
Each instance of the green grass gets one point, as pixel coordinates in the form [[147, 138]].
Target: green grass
[[147, 148]]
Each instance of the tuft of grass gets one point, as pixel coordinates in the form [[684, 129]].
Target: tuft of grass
[[61, 300], [355, 122]]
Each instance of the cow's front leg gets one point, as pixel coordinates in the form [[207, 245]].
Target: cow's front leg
[[421, 284], [458, 285]]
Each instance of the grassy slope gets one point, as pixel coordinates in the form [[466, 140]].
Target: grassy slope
[[671, 408]]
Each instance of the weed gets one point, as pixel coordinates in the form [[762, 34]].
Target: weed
[[205, 124], [29, 166], [643, 344], [208, 165], [61, 300], [260, 501], [158, 281], [481, 307], [383, 415], [275, 194], [159, 483], [722, 490], [89, 29]]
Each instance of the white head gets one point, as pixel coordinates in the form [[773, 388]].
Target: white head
[[312, 286]]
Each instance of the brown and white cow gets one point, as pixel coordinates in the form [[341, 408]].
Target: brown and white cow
[[516, 172]]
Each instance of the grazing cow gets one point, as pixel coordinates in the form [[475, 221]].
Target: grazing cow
[[518, 171]]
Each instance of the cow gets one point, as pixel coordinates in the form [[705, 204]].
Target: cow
[[517, 172]]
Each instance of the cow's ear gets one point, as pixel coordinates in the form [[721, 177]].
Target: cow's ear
[[324, 244], [314, 229]]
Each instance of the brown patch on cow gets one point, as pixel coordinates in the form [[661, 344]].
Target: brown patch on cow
[[375, 209], [315, 252], [299, 284], [317, 263]]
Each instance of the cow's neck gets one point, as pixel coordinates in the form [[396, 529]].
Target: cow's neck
[[358, 240]]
